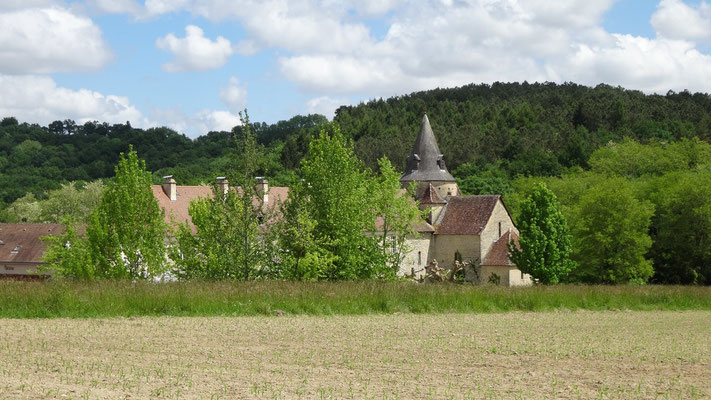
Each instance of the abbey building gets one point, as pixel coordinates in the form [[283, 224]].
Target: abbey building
[[474, 230]]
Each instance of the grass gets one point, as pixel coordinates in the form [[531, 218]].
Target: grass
[[56, 299]]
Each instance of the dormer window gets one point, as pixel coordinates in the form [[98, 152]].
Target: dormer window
[[16, 249]]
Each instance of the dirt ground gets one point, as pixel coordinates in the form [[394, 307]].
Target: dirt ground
[[513, 355]]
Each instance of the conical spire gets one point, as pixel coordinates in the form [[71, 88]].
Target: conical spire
[[426, 163]]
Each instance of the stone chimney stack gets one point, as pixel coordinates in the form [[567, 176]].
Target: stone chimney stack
[[223, 184], [263, 188], [170, 187]]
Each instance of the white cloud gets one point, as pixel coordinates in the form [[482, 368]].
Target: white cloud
[[195, 52], [18, 4], [38, 99], [199, 123], [676, 20], [40, 41], [324, 105], [234, 95], [116, 6]]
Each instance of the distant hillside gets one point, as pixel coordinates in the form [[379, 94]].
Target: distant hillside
[[531, 129], [535, 129]]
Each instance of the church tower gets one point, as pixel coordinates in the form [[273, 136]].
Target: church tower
[[426, 167]]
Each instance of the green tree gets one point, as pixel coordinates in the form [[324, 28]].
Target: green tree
[[338, 192], [233, 238], [67, 255], [77, 203], [610, 235], [681, 228], [544, 239], [397, 214], [302, 257], [24, 209], [126, 231]]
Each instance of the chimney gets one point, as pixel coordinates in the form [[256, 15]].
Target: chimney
[[170, 188], [263, 188], [223, 184]]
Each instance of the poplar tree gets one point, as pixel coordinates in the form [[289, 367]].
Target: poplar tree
[[126, 231], [545, 247]]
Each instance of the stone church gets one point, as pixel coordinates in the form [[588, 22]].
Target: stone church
[[471, 229]]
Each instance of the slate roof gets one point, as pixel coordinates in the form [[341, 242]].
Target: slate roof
[[25, 238], [499, 252], [466, 215], [178, 209], [426, 163]]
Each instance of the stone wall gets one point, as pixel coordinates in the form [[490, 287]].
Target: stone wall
[[490, 233], [445, 246], [418, 255]]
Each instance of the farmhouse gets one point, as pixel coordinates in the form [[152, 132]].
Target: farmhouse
[[21, 249], [471, 229]]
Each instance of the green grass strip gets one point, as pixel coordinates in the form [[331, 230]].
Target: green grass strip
[[58, 299]]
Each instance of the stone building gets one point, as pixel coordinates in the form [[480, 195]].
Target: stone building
[[21, 249], [472, 229]]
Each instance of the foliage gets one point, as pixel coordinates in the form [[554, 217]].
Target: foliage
[[337, 192], [106, 299], [67, 255], [681, 231], [482, 178], [544, 251], [610, 235], [232, 228], [126, 230], [67, 201], [397, 213]]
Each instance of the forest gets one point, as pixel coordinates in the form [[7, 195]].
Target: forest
[[632, 171]]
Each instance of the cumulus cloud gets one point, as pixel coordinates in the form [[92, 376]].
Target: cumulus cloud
[[39, 99], [234, 95], [199, 123], [195, 52], [676, 20], [18, 4], [116, 6], [48, 40], [325, 105]]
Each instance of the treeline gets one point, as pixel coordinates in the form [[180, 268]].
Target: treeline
[[340, 222]]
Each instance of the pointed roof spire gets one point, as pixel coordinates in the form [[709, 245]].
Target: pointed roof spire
[[426, 163]]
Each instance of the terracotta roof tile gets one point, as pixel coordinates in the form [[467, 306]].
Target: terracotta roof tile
[[466, 215], [430, 196], [499, 253], [21, 242], [178, 209]]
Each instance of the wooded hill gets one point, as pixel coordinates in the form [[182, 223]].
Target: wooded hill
[[508, 128]]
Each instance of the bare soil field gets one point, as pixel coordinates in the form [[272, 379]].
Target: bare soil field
[[574, 355]]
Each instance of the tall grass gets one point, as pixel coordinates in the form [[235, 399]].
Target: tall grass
[[55, 299]]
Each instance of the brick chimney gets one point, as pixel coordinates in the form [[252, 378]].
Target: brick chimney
[[170, 188], [223, 184], [263, 188]]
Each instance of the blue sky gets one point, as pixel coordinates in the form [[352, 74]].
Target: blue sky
[[193, 64]]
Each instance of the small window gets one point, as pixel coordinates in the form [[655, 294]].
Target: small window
[[419, 258], [16, 249], [499, 228], [9, 268], [521, 275]]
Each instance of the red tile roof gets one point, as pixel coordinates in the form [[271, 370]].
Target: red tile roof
[[21, 242], [178, 209], [466, 215], [499, 253], [430, 196]]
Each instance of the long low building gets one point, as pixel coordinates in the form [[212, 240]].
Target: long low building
[[21, 248]]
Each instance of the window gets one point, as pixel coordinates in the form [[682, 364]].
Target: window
[[521, 275], [499, 228], [419, 258], [9, 268], [16, 249]]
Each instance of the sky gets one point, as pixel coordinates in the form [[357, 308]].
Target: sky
[[193, 65]]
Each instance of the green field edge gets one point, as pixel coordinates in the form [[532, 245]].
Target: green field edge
[[61, 299]]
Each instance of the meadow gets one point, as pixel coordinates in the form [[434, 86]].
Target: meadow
[[59, 299], [521, 355]]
